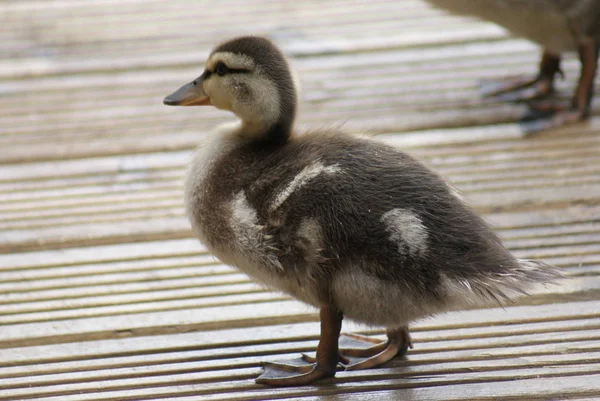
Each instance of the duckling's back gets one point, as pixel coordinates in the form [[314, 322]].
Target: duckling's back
[[329, 217]]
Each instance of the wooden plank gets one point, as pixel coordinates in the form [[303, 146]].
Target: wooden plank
[[241, 316], [242, 348], [124, 303], [178, 294], [163, 289], [530, 389], [126, 163], [169, 386], [155, 261], [529, 361], [94, 234], [129, 305], [472, 358], [260, 341], [109, 253]]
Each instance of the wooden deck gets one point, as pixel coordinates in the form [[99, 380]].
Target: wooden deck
[[105, 295]]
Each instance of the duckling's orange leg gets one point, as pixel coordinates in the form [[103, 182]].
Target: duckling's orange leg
[[325, 365], [522, 88], [398, 342], [551, 114]]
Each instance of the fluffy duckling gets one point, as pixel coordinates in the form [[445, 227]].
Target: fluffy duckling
[[559, 26], [346, 224]]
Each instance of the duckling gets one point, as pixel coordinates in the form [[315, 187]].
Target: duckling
[[559, 26], [346, 224]]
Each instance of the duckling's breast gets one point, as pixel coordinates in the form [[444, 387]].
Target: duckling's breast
[[232, 201], [199, 186]]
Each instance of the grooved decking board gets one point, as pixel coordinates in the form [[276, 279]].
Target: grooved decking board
[[106, 295]]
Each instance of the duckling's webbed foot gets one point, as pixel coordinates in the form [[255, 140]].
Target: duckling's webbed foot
[[364, 352], [546, 114], [292, 373], [522, 88], [300, 372]]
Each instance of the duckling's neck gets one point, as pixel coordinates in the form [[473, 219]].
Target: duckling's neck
[[276, 129], [250, 131], [277, 133]]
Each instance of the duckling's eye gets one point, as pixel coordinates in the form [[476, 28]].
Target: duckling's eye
[[221, 68]]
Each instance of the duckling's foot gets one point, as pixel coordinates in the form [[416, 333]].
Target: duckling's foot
[[376, 352], [293, 373], [299, 372]]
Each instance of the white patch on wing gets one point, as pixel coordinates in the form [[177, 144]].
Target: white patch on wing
[[243, 216], [310, 229], [310, 236], [250, 237], [302, 178], [252, 252], [407, 231]]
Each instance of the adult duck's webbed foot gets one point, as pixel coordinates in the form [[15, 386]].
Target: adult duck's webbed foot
[[307, 370], [521, 88], [546, 114], [364, 352]]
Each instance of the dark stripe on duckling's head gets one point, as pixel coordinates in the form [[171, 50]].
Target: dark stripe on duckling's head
[[258, 57]]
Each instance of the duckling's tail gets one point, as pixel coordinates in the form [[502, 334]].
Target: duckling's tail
[[501, 287], [537, 272], [522, 280]]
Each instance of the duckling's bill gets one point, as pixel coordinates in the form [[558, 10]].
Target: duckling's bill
[[191, 94]]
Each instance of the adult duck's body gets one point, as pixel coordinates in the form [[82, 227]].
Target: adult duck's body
[[559, 26], [346, 224]]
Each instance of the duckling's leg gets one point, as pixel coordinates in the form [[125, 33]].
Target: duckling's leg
[[522, 87], [297, 374], [550, 114], [398, 342]]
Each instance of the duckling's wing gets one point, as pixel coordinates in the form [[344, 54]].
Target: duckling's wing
[[386, 212]]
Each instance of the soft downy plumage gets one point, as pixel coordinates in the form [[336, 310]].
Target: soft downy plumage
[[346, 224]]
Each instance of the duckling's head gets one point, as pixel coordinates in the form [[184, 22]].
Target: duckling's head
[[250, 77]]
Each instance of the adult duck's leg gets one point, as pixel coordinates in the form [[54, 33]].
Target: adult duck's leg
[[325, 364], [550, 114], [352, 347], [523, 87]]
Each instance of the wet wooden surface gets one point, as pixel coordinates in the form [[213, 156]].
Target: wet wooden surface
[[104, 294]]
